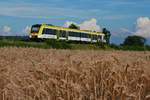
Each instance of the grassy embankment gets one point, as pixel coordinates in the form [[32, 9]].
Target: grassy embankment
[[22, 42], [19, 42]]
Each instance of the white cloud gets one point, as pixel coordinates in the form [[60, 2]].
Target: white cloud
[[27, 29], [90, 25], [143, 27], [6, 29]]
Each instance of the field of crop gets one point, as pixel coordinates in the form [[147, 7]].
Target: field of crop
[[40, 74]]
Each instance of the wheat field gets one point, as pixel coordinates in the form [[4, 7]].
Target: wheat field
[[39, 74]]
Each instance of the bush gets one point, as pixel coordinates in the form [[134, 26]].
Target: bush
[[17, 43], [133, 48], [147, 47], [101, 45], [134, 41], [114, 46], [58, 44]]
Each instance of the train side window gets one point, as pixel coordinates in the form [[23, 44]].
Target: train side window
[[62, 33], [99, 37], [85, 35], [94, 37], [54, 32], [74, 34], [78, 34], [49, 31]]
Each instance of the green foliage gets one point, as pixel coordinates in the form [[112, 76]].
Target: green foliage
[[82, 46], [58, 44], [17, 43], [101, 45], [12, 42], [73, 26], [147, 47], [133, 48], [134, 41], [114, 46], [107, 35], [85, 46]]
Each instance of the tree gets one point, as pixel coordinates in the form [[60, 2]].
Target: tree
[[134, 41], [107, 35], [73, 26]]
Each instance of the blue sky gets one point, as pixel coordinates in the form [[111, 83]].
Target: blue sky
[[119, 16]]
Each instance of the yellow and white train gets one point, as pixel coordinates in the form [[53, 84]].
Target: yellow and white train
[[46, 31]]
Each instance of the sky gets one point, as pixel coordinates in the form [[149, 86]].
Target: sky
[[121, 17]]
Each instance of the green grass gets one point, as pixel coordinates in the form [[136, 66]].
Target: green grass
[[19, 43], [55, 44]]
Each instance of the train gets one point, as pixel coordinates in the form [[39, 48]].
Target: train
[[48, 31]]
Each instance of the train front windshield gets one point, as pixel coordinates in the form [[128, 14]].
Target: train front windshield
[[35, 28]]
